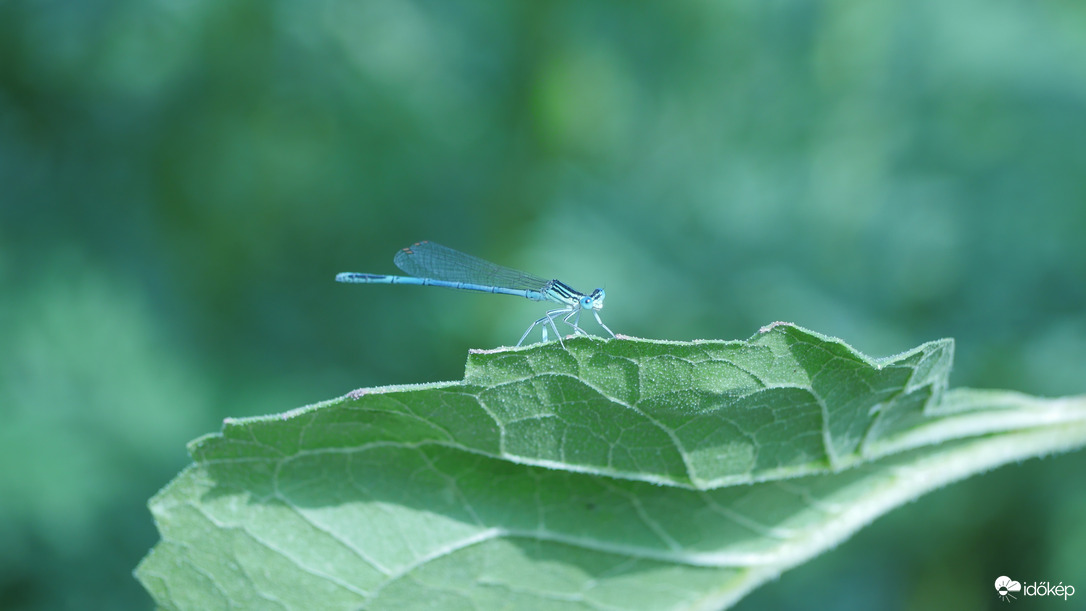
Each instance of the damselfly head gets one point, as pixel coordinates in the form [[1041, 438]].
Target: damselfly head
[[594, 301]]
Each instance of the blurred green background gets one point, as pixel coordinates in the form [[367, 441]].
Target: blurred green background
[[180, 182]]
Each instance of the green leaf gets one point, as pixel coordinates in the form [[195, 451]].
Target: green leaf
[[603, 475]]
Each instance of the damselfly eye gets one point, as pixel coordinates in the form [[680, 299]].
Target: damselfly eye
[[586, 302]]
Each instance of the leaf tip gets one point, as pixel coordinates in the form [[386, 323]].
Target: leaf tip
[[774, 325]]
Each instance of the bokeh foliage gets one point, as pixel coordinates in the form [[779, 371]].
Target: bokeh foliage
[[181, 181]]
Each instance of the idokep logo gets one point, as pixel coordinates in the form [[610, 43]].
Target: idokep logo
[[1005, 586]]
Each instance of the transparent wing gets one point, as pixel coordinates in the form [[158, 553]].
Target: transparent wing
[[430, 260]]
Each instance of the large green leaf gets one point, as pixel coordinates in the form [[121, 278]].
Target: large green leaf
[[605, 475]]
